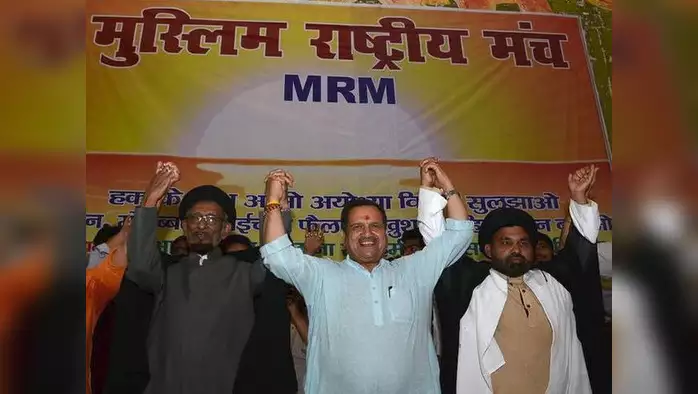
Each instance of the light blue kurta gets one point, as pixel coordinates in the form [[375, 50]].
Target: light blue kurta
[[370, 332]]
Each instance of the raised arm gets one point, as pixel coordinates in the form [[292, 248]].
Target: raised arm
[[258, 272], [430, 214], [446, 248], [578, 259], [430, 208], [145, 264], [279, 255], [577, 268]]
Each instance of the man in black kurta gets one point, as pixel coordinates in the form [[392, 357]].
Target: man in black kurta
[[203, 311]]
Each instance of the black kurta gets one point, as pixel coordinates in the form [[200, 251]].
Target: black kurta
[[267, 364], [576, 268], [203, 313]]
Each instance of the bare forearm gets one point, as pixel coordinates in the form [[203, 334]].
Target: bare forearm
[[286, 218], [273, 226], [455, 208], [301, 324]]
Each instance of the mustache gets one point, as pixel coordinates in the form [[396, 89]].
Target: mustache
[[201, 237], [515, 255], [368, 238]]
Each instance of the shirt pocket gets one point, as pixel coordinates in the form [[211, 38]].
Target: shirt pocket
[[401, 305]]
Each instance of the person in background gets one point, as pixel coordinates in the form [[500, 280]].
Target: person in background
[[101, 244], [299, 335], [365, 310], [545, 249], [314, 239], [235, 243], [204, 310], [180, 247], [131, 312], [411, 242], [104, 241], [101, 285]]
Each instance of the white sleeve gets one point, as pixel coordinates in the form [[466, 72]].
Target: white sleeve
[[430, 214], [586, 219]]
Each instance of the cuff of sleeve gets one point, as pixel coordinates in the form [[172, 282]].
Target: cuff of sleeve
[[586, 219], [275, 246], [430, 202], [459, 225]]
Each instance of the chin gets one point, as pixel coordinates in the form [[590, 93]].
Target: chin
[[201, 248]]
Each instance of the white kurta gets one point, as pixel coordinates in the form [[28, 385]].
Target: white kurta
[[479, 355]]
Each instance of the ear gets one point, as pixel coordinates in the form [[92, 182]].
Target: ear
[[227, 228], [488, 251], [183, 225]]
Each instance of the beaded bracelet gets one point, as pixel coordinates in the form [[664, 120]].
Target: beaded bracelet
[[272, 207]]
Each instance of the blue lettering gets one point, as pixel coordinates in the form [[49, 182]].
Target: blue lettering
[[369, 91], [340, 85], [386, 87], [292, 83]]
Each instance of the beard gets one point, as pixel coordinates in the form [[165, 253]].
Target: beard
[[511, 268], [201, 242], [201, 248]]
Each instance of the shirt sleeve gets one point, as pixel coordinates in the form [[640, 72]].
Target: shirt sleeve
[[444, 250], [145, 263], [586, 219], [430, 214], [97, 255], [293, 266]]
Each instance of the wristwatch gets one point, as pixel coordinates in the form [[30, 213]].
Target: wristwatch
[[450, 193]]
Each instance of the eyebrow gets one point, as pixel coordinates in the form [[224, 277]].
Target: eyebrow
[[503, 238], [363, 223]]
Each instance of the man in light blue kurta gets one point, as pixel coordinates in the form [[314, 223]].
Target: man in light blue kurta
[[370, 329]]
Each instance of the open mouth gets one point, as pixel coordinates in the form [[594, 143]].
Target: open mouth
[[366, 243], [201, 236]]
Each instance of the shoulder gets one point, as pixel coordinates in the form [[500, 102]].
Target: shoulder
[[549, 282]]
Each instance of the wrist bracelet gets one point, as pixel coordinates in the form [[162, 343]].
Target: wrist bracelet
[[272, 207], [450, 193]]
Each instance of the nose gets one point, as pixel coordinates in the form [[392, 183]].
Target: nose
[[516, 248], [201, 224]]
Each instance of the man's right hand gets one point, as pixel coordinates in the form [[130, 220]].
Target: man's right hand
[[166, 175], [426, 175], [434, 176]]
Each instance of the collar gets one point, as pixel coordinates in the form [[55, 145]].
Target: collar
[[533, 276], [363, 269], [215, 253]]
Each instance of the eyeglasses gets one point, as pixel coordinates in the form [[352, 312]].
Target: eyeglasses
[[209, 220]]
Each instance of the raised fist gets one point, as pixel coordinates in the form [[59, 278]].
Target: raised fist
[[166, 175], [433, 175], [580, 183], [277, 184]]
